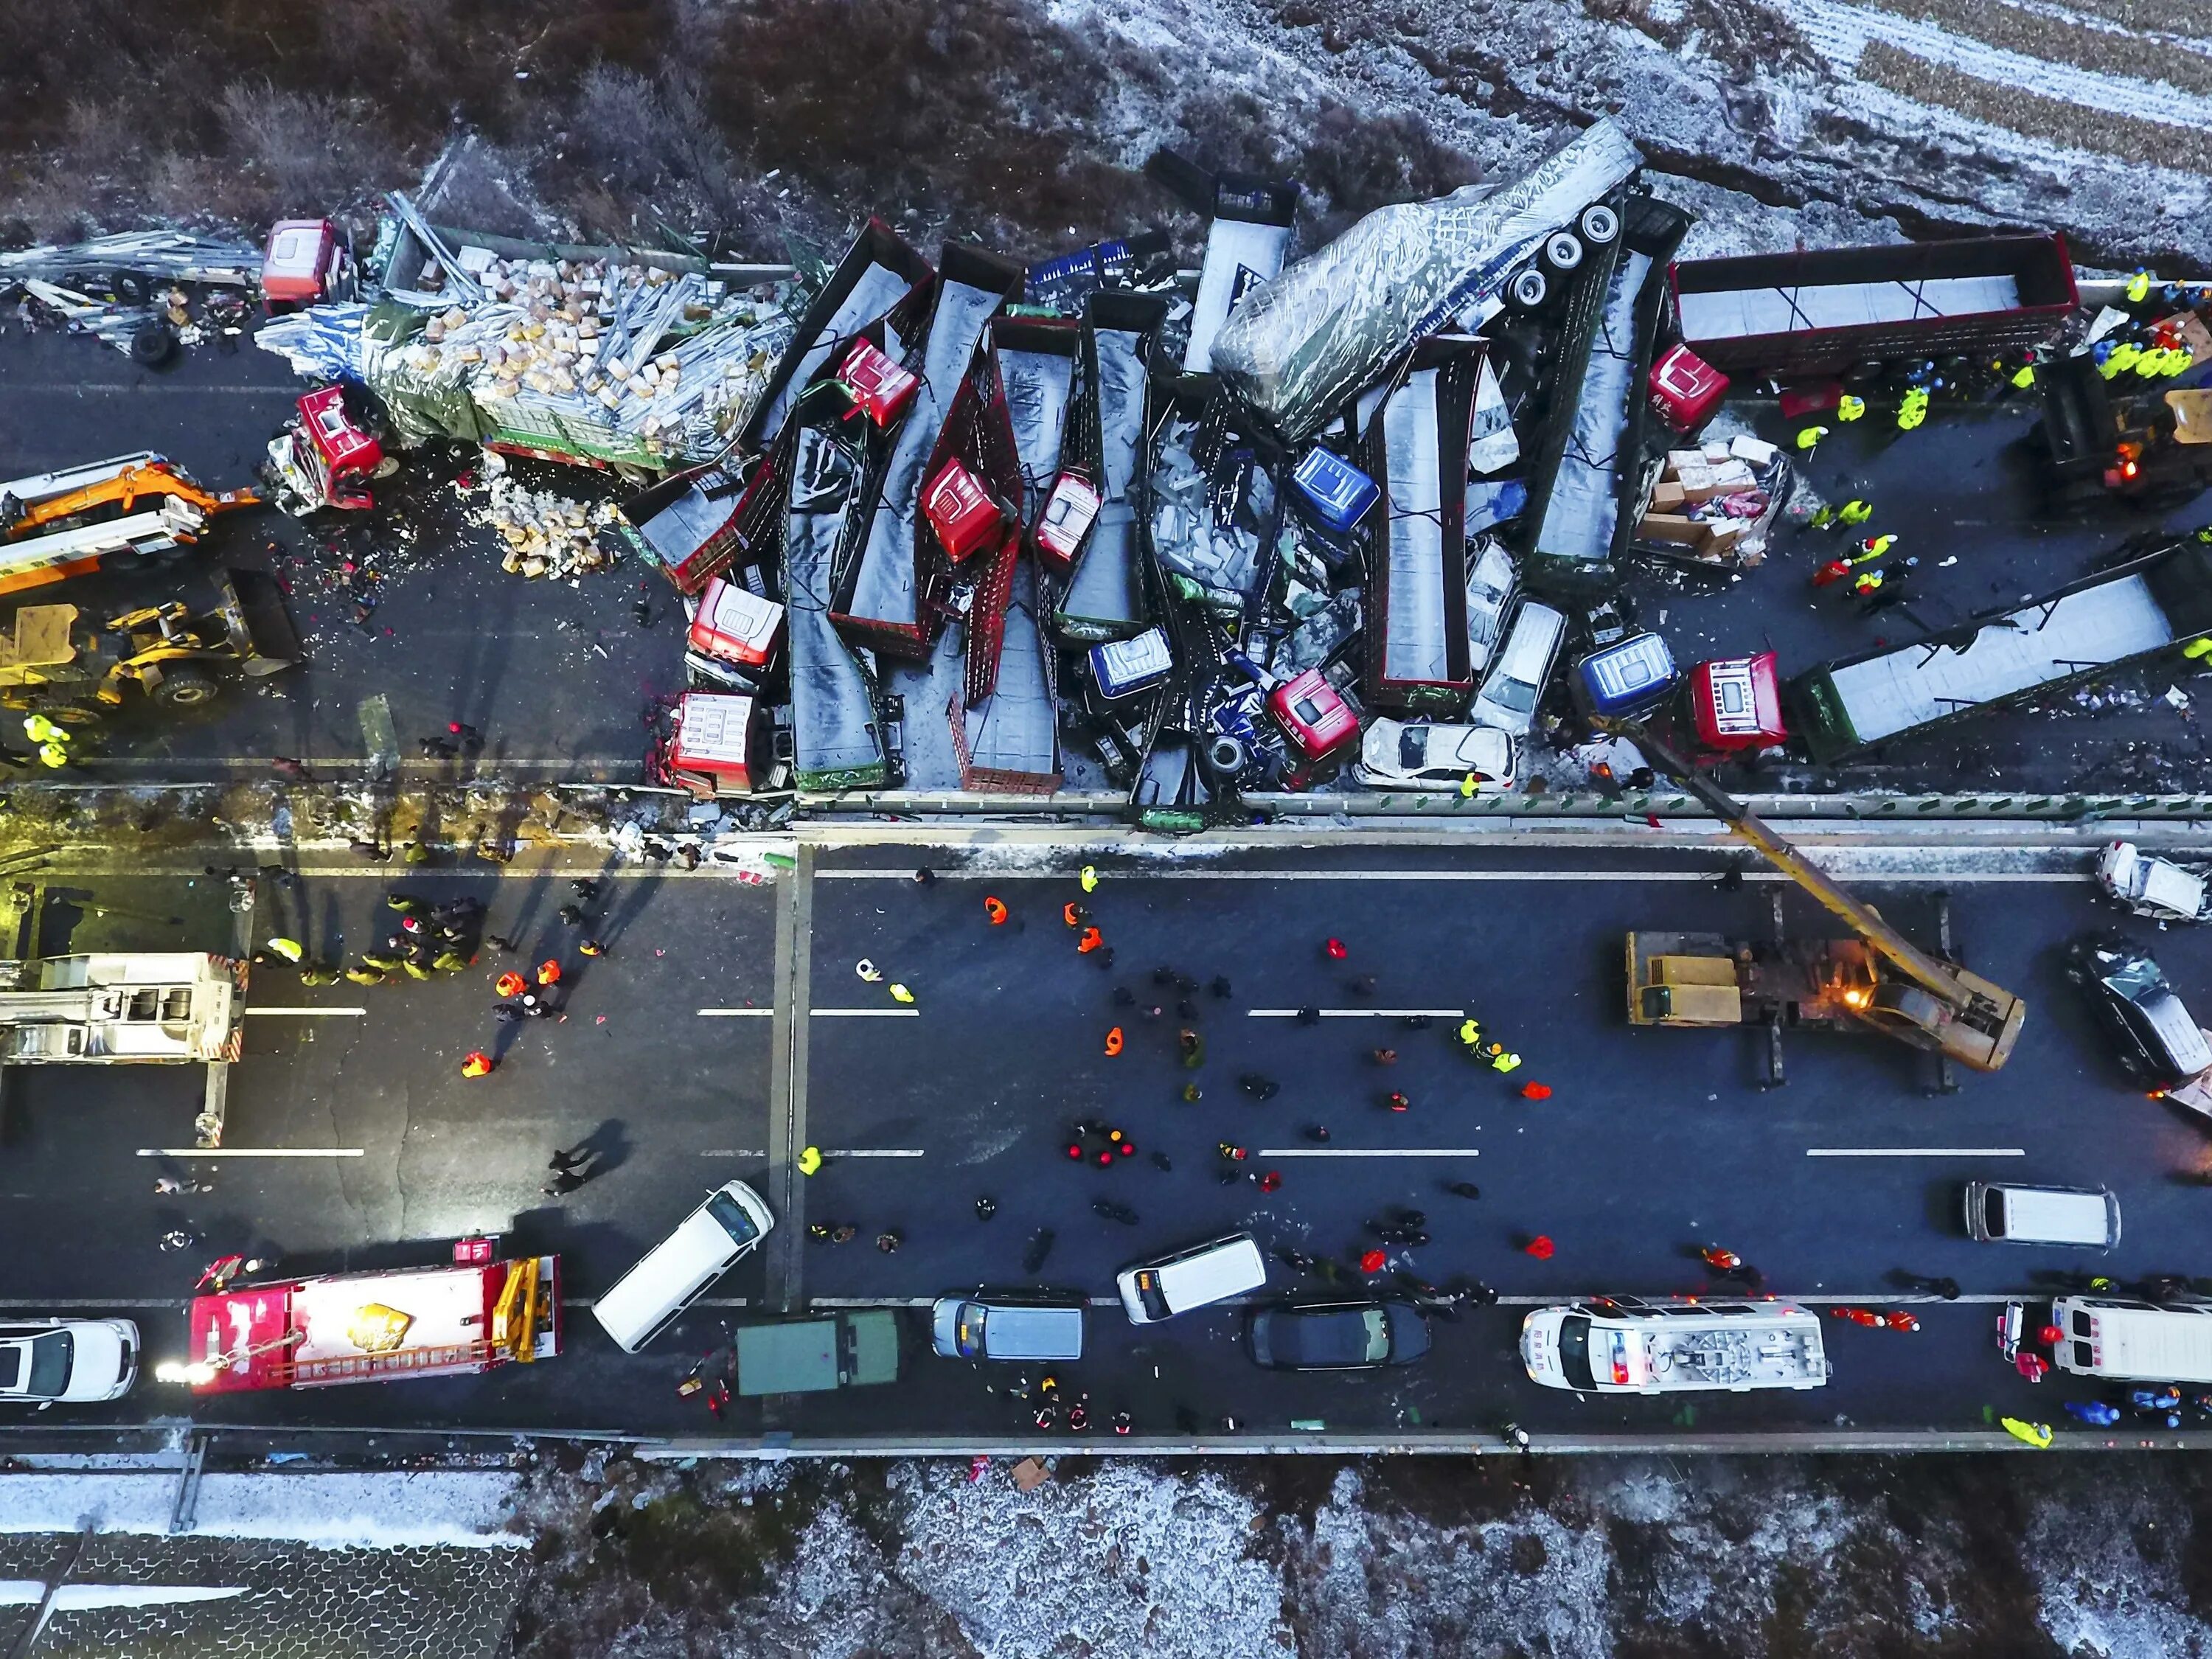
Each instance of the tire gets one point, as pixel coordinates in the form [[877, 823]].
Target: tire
[[1563, 251], [186, 687], [1599, 226], [152, 345], [1224, 757], [1528, 291]]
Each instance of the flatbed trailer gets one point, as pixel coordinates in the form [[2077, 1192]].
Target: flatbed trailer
[[472, 1316], [1706, 981], [2132, 612]]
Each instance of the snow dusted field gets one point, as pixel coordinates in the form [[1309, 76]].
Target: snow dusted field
[[1643, 1560]]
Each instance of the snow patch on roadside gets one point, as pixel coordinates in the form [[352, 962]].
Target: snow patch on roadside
[[1137, 1561], [328, 1512]]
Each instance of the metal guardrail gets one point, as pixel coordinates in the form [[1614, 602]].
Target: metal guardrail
[[2018, 805]]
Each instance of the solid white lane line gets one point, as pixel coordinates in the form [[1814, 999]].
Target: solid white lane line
[[737, 1013], [866, 1013], [827, 1153], [315, 1013], [1916, 1152], [1371, 1151], [251, 1152], [1360, 1013]]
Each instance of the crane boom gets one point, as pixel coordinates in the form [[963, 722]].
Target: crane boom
[[1863, 918], [1990, 1015]]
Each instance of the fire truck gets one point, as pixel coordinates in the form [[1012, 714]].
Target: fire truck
[[474, 1314], [178, 1006]]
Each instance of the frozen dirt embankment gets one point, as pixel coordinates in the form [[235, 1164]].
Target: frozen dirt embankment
[[1803, 121]]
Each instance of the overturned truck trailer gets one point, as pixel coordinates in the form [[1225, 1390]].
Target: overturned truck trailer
[[2133, 611]]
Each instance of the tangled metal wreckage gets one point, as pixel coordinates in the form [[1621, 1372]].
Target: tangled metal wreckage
[[1252, 528]]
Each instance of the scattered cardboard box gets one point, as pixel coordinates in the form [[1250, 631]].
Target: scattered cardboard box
[[1029, 1474]]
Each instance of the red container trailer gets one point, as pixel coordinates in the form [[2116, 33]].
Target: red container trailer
[[1822, 311]]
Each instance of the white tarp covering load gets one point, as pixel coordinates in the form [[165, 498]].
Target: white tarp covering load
[[1241, 256], [879, 288], [833, 710], [1009, 740], [1106, 588], [2054, 641], [885, 589], [1746, 312], [1038, 385], [1585, 506], [1415, 648], [1300, 346]]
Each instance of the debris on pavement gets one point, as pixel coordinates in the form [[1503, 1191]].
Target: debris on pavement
[[542, 533]]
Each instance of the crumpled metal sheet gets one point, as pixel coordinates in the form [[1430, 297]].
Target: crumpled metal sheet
[[166, 256], [1299, 347], [321, 343]]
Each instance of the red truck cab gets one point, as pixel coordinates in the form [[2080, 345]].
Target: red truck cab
[[1735, 703]]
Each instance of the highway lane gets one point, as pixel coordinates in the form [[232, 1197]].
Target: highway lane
[[1653, 1141]]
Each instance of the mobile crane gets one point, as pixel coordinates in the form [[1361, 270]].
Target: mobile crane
[[58, 525], [1878, 980]]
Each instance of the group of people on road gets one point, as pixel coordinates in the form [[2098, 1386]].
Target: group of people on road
[[539, 994]]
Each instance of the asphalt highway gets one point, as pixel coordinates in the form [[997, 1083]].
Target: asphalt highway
[[354, 1141]]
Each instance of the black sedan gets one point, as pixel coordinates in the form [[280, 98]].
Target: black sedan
[[1337, 1336], [2156, 1038]]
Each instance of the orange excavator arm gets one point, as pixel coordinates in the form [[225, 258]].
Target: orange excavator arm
[[124, 490]]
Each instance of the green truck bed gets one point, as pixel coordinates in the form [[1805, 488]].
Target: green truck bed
[[808, 1356]]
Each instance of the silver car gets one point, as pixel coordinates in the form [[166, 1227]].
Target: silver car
[[1515, 683]]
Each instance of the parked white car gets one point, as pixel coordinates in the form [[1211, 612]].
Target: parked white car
[[2153, 886], [73, 1360], [1409, 754]]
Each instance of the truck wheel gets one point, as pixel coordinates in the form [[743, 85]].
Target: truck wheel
[[1224, 757], [184, 687], [1527, 290], [151, 345], [1563, 250], [1599, 225]]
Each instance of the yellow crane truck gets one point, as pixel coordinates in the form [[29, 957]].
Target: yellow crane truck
[[1877, 980]]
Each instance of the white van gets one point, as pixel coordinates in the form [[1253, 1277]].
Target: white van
[[1207, 1272], [672, 1275], [1516, 681], [2127, 1341], [1998, 1212], [1624, 1345]]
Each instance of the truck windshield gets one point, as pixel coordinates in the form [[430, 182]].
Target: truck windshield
[[733, 1217], [1574, 1352]]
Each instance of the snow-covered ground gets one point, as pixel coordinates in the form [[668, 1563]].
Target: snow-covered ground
[[2015, 1556], [398, 1510]]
